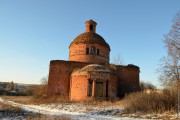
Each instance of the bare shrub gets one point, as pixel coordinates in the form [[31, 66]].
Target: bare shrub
[[10, 86], [40, 96], [151, 102], [146, 85], [28, 91], [40, 91]]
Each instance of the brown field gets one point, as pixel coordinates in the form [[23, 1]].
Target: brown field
[[137, 105]]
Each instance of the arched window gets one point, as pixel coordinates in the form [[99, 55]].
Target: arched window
[[91, 27], [93, 50]]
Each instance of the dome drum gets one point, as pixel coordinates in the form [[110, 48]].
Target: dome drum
[[93, 53]]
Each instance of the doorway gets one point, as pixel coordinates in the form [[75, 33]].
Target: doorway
[[99, 89]]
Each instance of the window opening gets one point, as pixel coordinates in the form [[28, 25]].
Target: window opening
[[98, 51], [107, 84], [87, 50], [99, 89], [91, 27], [90, 88], [92, 50]]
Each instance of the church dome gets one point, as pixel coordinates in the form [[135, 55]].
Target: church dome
[[89, 47], [90, 38]]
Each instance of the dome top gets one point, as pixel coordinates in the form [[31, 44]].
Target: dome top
[[90, 36], [91, 21]]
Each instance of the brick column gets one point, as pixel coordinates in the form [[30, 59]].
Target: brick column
[[93, 88]]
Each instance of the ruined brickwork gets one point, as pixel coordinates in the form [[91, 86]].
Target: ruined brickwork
[[78, 53], [79, 85], [59, 76], [93, 80], [87, 73], [128, 79]]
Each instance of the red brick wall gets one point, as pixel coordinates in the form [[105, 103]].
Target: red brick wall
[[59, 76], [79, 87], [128, 79], [78, 53], [112, 88]]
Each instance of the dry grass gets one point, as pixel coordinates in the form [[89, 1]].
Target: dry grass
[[53, 99], [6, 107], [19, 99], [36, 100], [152, 102], [44, 117], [56, 100], [103, 102], [138, 105]]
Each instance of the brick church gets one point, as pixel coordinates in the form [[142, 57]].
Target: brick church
[[88, 73]]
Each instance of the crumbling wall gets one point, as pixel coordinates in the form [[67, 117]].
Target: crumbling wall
[[124, 80], [112, 88], [59, 76], [128, 79], [79, 87]]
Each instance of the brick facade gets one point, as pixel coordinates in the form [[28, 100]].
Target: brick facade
[[59, 76], [87, 73], [78, 53]]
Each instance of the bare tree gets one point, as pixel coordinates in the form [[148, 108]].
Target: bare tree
[[170, 65], [117, 60], [169, 72], [10, 86], [41, 90], [44, 80]]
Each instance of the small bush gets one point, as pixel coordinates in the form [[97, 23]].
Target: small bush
[[27, 91], [151, 102], [40, 91]]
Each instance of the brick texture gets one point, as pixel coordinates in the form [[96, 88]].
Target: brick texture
[[78, 53]]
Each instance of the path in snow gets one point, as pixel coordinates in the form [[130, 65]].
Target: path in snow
[[73, 111]]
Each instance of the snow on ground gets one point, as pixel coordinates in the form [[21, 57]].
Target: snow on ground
[[72, 110]]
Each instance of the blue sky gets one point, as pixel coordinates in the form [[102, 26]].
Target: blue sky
[[34, 32]]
